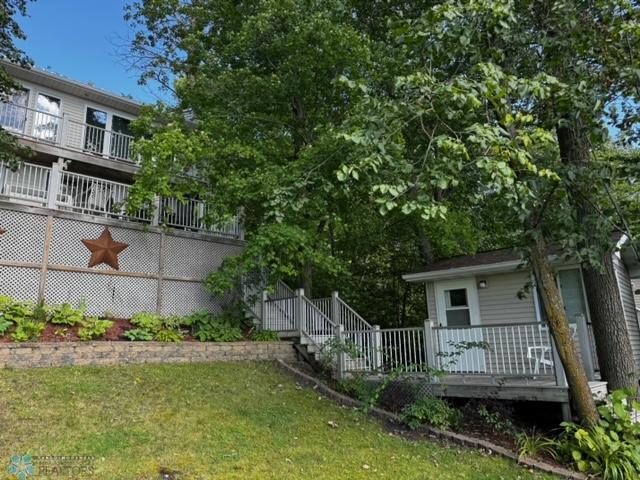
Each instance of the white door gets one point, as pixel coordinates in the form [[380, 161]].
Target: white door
[[458, 311]]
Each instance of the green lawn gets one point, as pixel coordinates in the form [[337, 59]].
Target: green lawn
[[224, 420]]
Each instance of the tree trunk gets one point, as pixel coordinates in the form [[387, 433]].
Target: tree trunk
[[307, 280], [561, 332], [615, 354]]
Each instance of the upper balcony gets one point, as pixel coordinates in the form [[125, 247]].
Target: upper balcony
[[65, 132], [59, 117], [58, 189]]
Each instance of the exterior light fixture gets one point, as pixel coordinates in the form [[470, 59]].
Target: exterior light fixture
[[482, 284]]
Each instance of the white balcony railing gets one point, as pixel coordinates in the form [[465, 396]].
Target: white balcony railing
[[31, 123], [85, 194], [29, 184], [59, 130], [192, 215], [33, 185]]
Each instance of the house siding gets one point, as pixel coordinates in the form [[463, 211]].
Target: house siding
[[499, 302], [629, 305]]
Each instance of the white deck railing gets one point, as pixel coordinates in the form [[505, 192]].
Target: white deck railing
[[28, 184], [95, 196], [190, 214], [32, 184], [523, 349], [62, 131], [31, 123]]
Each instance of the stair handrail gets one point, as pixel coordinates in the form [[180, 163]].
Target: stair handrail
[[357, 322]]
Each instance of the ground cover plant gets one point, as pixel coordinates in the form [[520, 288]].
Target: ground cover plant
[[225, 420]]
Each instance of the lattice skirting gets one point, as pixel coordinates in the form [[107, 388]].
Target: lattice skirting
[[42, 257]]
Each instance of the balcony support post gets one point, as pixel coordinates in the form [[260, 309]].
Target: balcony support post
[[55, 176]]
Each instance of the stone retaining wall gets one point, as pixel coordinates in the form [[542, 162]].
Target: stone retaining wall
[[58, 354]]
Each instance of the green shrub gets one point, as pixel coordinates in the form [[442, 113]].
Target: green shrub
[[27, 330], [168, 335], [139, 334], [433, 411], [265, 336], [494, 420], [15, 311], [66, 314], [147, 321], [207, 327], [358, 387], [93, 328], [611, 447], [4, 326], [219, 332]]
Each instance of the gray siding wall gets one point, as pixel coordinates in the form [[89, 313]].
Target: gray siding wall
[[499, 302], [629, 305]]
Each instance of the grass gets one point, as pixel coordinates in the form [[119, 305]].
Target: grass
[[206, 421]]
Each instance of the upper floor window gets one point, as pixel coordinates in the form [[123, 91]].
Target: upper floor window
[[13, 113], [47, 117]]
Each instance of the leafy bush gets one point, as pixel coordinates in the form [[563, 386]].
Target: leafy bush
[[168, 335], [358, 387], [15, 311], [611, 447], [27, 330], [265, 336], [4, 326], [93, 328], [207, 327], [139, 334], [496, 421], [219, 332], [433, 411], [147, 321], [66, 314]]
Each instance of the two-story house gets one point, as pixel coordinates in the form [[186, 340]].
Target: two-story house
[[73, 186]]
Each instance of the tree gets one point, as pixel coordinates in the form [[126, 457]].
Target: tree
[[263, 80], [10, 151], [482, 110]]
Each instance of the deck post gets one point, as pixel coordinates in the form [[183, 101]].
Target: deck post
[[335, 309], [585, 347], [340, 354], [377, 348], [157, 205], [429, 344], [558, 369], [263, 309], [299, 311], [54, 184]]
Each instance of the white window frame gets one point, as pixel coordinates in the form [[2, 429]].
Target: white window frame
[[472, 299]]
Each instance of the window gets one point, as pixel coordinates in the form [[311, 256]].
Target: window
[[95, 131], [457, 307], [46, 119], [13, 113]]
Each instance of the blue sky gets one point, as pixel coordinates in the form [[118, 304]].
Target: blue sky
[[78, 38]]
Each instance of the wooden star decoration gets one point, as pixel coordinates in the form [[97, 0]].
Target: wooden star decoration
[[104, 250], [2, 231]]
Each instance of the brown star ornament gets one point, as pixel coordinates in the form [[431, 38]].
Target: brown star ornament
[[104, 250], [2, 231]]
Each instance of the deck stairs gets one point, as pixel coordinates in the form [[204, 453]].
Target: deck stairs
[[313, 324]]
